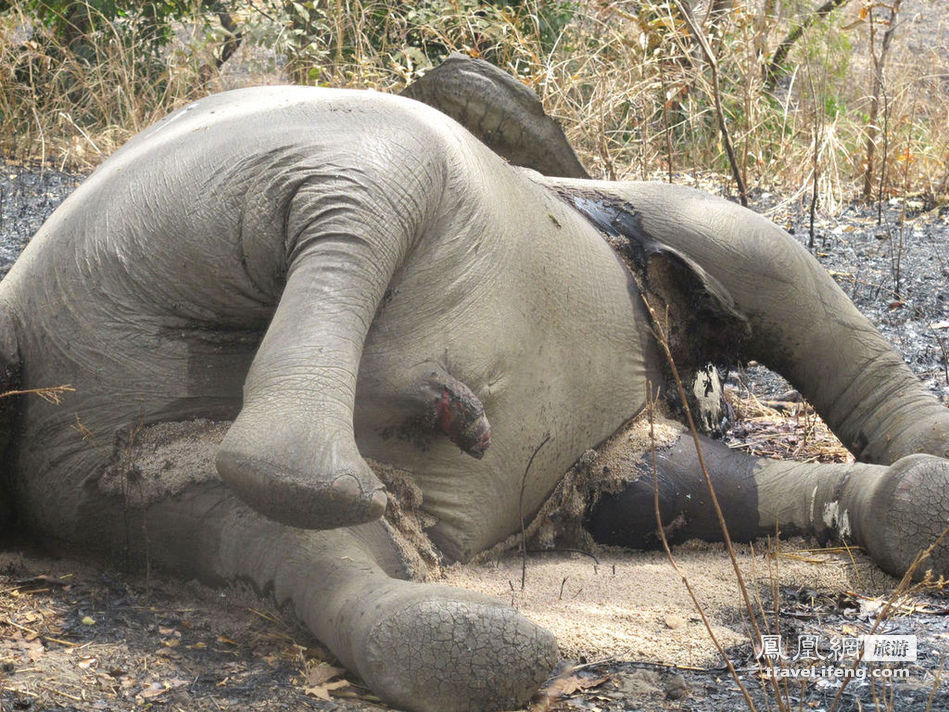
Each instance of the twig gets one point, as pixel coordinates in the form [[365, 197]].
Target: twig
[[664, 343], [936, 679], [776, 67], [64, 694], [520, 509], [726, 536], [888, 607], [67, 643], [710, 58], [78, 128], [51, 394], [682, 576], [878, 84], [19, 692], [886, 151]]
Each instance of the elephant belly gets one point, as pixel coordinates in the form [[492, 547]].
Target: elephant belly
[[543, 324]]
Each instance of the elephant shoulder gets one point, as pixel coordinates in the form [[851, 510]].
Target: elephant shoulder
[[709, 327]]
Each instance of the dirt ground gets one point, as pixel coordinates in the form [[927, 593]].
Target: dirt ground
[[78, 635]]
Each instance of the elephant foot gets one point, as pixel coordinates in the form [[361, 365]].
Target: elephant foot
[[927, 434], [908, 510], [431, 647], [332, 487]]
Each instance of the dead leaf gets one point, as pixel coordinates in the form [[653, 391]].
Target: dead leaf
[[562, 686], [158, 688], [322, 691], [322, 672], [33, 649]]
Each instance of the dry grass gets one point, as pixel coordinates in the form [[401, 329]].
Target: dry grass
[[75, 111], [625, 78]]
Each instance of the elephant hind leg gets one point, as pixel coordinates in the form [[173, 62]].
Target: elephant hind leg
[[417, 646], [893, 511], [769, 300]]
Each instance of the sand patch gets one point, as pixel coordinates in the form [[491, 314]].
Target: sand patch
[[157, 461], [633, 606]]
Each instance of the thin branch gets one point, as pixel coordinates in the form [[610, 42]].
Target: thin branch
[[664, 344], [51, 394], [685, 579], [520, 509], [776, 67], [879, 63], [712, 62]]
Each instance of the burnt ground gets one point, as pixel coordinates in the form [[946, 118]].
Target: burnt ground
[[76, 635]]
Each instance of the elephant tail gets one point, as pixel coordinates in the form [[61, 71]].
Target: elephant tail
[[10, 369]]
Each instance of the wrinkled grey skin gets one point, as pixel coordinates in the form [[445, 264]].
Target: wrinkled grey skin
[[349, 275]]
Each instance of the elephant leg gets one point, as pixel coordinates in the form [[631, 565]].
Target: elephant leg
[[796, 319], [291, 453], [418, 646], [892, 511]]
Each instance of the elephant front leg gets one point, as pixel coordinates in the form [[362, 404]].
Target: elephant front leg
[[417, 646], [893, 512]]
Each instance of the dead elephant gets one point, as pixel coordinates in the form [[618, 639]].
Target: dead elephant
[[343, 276]]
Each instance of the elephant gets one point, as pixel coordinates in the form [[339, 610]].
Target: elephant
[[274, 296]]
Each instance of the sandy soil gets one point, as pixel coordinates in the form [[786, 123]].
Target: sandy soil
[[634, 606]]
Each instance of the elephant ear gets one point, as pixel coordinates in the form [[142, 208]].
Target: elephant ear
[[699, 314], [501, 112]]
